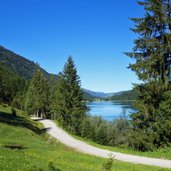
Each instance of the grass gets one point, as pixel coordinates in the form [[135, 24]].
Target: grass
[[41, 152], [160, 153], [163, 153]]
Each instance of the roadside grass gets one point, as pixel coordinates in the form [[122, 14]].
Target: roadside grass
[[40, 152], [163, 153]]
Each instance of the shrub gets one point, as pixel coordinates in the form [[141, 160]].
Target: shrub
[[107, 166], [141, 141], [52, 167]]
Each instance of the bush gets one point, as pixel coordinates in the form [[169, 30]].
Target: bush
[[36, 168], [52, 167], [111, 133], [107, 166], [102, 134], [138, 140], [88, 128]]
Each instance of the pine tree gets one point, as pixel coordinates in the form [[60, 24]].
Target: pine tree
[[70, 106], [152, 52], [53, 96], [37, 96]]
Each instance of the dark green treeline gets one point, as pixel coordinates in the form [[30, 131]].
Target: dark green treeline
[[152, 52]]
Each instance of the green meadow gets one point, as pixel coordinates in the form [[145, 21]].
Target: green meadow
[[24, 145]]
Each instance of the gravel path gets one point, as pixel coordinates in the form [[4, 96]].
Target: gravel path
[[83, 147]]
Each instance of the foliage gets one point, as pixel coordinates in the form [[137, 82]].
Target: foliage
[[107, 166], [53, 97], [164, 126], [37, 96], [19, 65], [127, 95], [88, 128], [112, 133], [70, 106], [10, 85], [52, 167], [152, 53]]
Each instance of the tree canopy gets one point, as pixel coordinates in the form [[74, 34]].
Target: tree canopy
[[71, 107], [152, 52], [37, 96]]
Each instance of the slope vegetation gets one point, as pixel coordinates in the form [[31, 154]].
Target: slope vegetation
[[18, 64], [25, 146]]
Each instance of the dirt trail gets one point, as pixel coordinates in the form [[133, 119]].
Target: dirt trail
[[83, 147]]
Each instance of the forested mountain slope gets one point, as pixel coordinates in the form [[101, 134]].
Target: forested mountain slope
[[15, 65], [18, 64], [126, 95]]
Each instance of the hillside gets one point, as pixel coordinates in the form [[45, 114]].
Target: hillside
[[122, 95], [88, 96], [18, 64], [25, 146], [38, 151], [99, 94], [10, 84], [126, 95]]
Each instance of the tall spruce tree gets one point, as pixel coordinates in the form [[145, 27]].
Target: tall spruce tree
[[70, 106], [53, 96], [152, 52], [37, 96]]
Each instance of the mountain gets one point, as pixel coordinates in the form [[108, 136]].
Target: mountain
[[121, 95], [125, 95], [20, 65], [101, 94], [88, 96]]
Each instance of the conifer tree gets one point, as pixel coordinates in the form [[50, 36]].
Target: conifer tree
[[152, 52], [70, 106], [37, 96], [53, 97]]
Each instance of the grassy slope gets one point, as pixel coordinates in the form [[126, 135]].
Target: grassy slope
[[39, 149], [160, 153]]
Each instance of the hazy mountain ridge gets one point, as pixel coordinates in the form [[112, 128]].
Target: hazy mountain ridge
[[102, 94], [125, 95]]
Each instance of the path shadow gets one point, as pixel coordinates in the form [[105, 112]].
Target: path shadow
[[19, 121], [15, 147], [46, 129]]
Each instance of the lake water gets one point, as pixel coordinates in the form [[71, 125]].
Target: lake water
[[110, 110]]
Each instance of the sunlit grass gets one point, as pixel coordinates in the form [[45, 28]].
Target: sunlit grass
[[39, 150], [163, 153]]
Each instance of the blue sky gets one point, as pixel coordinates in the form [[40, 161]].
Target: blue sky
[[94, 32]]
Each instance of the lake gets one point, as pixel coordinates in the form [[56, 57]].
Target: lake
[[110, 110]]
